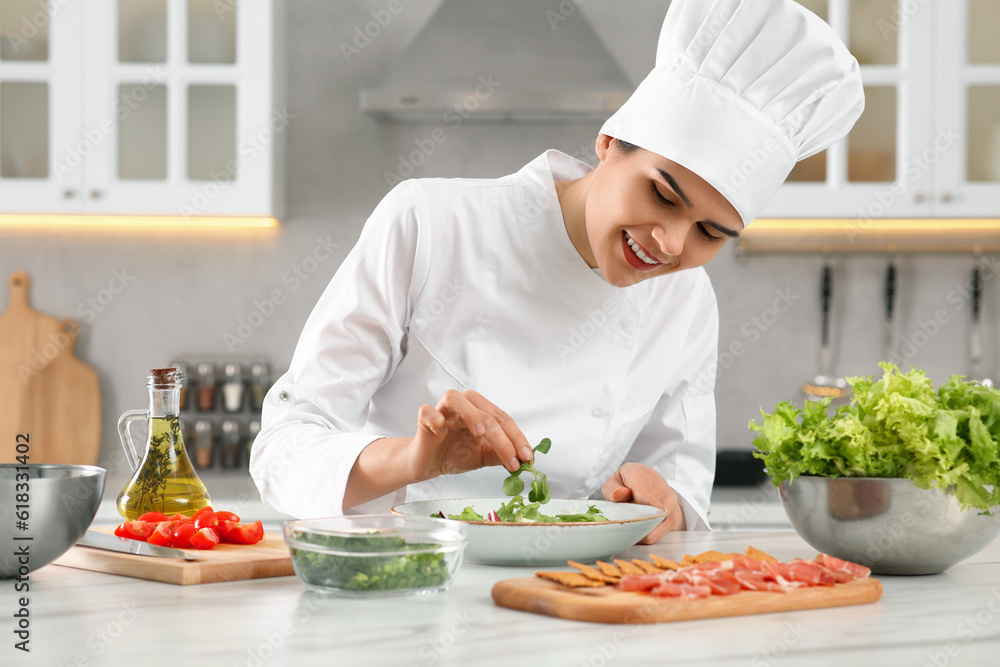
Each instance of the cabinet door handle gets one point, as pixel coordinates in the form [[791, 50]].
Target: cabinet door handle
[[69, 194], [920, 197], [947, 197], [96, 194]]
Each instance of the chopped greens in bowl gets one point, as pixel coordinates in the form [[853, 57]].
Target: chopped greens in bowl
[[375, 555], [896, 426]]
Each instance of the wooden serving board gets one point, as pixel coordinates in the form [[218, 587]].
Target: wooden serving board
[[609, 605], [225, 562], [45, 391]]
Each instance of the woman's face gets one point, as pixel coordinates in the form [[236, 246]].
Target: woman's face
[[646, 216]]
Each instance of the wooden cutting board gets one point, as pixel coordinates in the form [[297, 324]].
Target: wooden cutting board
[[45, 391], [225, 562], [608, 605]]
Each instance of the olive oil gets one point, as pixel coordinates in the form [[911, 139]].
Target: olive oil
[[164, 480]]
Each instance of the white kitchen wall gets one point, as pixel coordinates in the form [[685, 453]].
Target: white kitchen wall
[[185, 291]]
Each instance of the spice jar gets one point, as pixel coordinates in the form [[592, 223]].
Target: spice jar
[[252, 430], [230, 443], [232, 387], [260, 382], [203, 436], [182, 368], [206, 386]]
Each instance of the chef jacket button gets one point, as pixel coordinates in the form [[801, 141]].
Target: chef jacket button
[[626, 323], [597, 412], [283, 396]]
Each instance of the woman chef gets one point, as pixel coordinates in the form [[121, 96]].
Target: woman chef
[[475, 317]]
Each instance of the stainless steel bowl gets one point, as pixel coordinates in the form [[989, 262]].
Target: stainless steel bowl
[[61, 503], [890, 525]]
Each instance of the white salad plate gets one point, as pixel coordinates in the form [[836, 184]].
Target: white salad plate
[[534, 544]]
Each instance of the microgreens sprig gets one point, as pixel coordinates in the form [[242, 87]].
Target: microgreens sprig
[[540, 491]]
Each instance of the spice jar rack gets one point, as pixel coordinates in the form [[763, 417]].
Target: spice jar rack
[[220, 406]]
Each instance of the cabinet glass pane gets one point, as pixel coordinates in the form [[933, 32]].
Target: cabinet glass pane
[[211, 31], [24, 130], [211, 132], [984, 28], [817, 7], [142, 31], [871, 145], [24, 30], [874, 31], [810, 170], [142, 132], [984, 133]]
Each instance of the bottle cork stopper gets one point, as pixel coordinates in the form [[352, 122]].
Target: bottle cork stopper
[[162, 376]]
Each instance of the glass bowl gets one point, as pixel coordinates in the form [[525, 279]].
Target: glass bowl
[[376, 555]]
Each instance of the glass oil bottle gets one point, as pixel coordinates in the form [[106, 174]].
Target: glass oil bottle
[[164, 480]]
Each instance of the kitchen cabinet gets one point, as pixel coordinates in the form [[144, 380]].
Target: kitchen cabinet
[[151, 107], [928, 143]]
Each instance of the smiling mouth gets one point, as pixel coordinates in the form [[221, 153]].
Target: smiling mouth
[[636, 256]]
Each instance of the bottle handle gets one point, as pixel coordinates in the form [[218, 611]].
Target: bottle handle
[[131, 454]]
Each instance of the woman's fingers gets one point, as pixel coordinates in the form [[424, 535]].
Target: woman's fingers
[[482, 423], [506, 423]]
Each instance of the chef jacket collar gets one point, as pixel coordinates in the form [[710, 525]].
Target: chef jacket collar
[[582, 287]]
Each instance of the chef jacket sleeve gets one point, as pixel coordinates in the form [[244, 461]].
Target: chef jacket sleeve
[[314, 414], [679, 438]]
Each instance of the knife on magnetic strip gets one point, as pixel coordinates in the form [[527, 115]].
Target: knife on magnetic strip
[[97, 540]]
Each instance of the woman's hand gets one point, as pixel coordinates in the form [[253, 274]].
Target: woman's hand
[[464, 432], [638, 483]]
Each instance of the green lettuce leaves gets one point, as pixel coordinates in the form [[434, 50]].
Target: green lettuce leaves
[[895, 426]]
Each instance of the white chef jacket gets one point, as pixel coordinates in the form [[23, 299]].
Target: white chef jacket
[[475, 284]]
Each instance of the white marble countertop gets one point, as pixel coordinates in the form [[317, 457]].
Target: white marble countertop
[[86, 618]]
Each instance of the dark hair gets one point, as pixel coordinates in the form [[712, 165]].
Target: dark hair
[[624, 146]]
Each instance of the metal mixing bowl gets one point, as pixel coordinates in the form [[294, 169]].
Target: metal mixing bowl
[[890, 525], [61, 503]]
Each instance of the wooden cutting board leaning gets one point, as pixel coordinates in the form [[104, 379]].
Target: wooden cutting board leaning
[[45, 391], [225, 562], [609, 605]]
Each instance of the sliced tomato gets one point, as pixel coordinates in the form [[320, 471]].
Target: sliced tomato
[[205, 518], [163, 533], [179, 517], [227, 516], [181, 539], [205, 538], [244, 533], [154, 517], [136, 530]]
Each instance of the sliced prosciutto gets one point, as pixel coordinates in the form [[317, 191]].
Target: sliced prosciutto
[[742, 573]]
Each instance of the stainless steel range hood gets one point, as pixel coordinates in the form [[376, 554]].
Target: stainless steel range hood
[[511, 60]]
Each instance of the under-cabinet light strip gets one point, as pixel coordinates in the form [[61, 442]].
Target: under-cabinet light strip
[[923, 235], [136, 221]]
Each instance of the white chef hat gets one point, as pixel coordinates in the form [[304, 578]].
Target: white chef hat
[[742, 90]]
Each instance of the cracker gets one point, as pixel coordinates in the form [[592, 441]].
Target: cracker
[[571, 579], [646, 566], [757, 554], [629, 568], [665, 563], [713, 557], [609, 569], [593, 573], [687, 559]]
